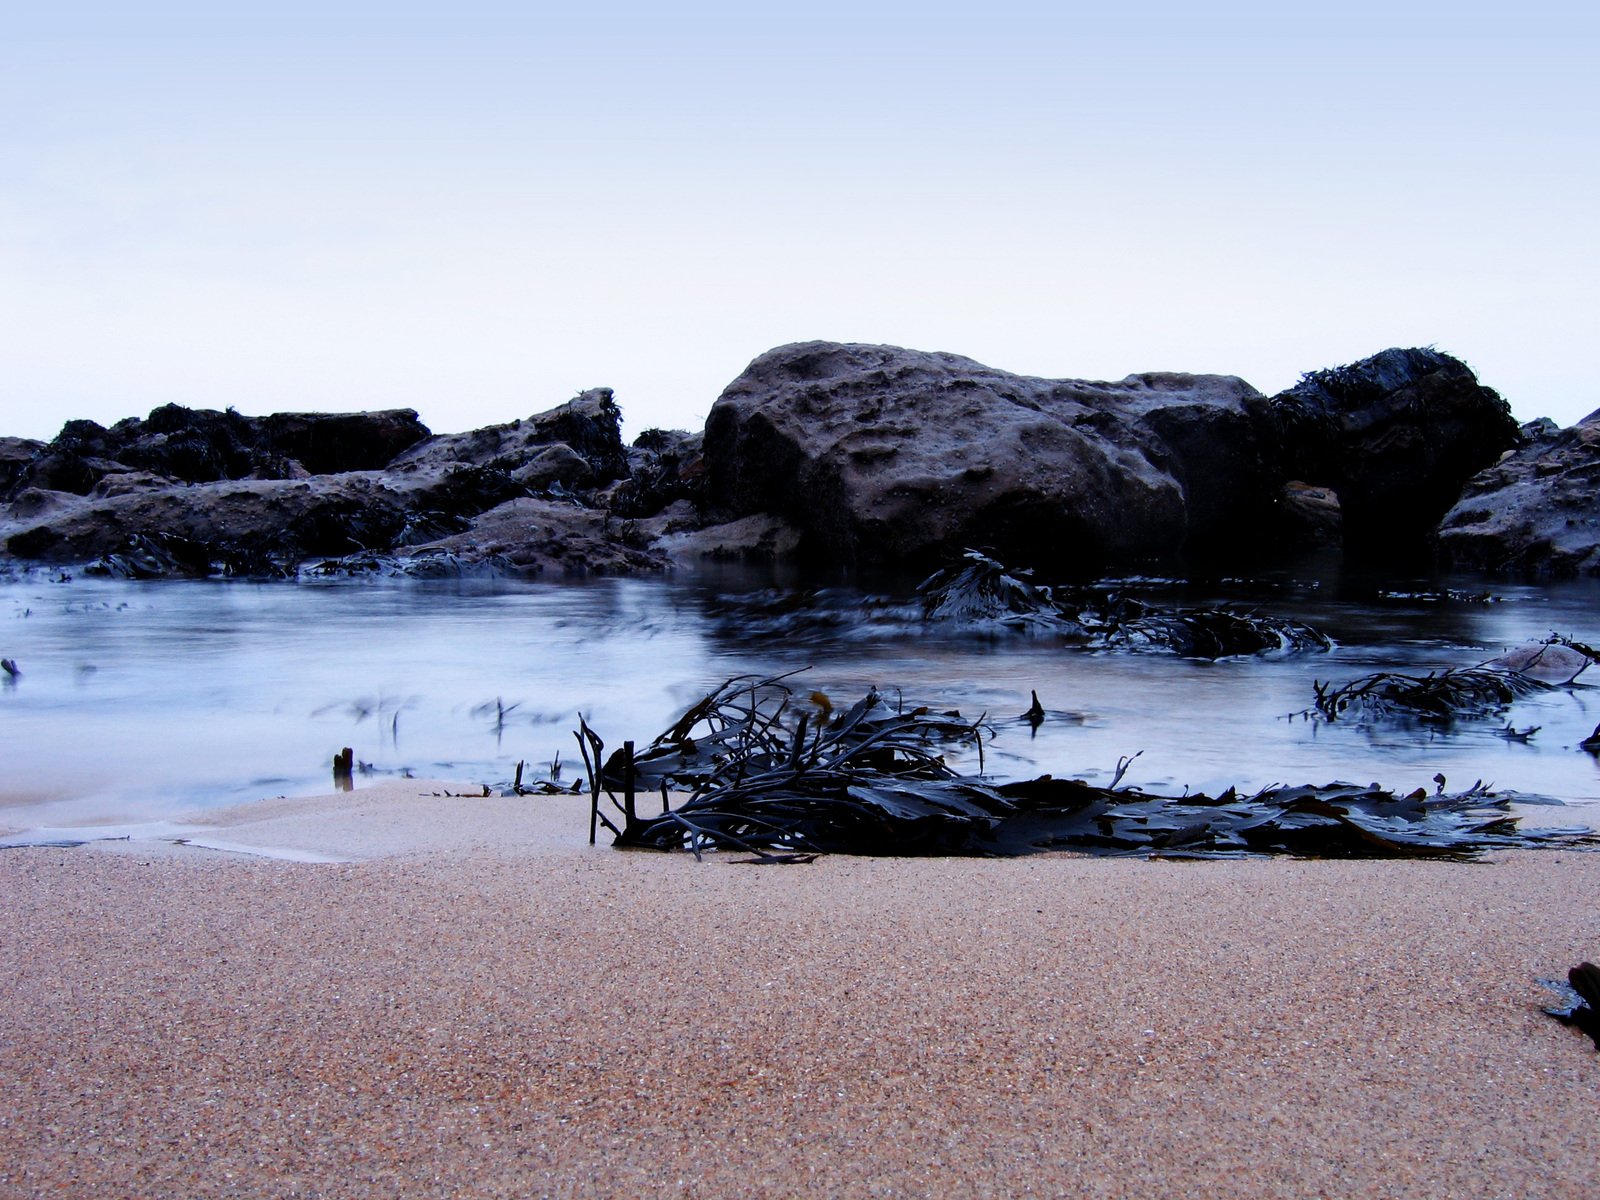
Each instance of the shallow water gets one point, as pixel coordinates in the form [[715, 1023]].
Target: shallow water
[[137, 701]]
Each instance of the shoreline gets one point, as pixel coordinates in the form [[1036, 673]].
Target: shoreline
[[477, 1003]]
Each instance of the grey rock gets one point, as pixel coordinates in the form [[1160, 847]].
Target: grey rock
[[879, 454], [532, 535], [15, 456], [558, 465], [758, 538], [1537, 510], [590, 425]]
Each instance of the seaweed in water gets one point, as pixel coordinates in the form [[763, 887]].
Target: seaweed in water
[[762, 779], [984, 593], [1484, 690], [1439, 695], [1217, 633]]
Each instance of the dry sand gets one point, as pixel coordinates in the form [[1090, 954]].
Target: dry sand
[[486, 1006]]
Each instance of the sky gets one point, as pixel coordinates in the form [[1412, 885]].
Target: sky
[[479, 209]]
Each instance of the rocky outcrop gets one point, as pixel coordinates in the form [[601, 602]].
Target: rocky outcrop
[[838, 454], [1537, 510], [208, 493], [588, 427], [1396, 437], [185, 445], [878, 454]]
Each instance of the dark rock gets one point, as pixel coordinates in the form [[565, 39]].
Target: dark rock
[[590, 425], [1396, 436], [880, 454], [123, 483], [1537, 510], [16, 454], [204, 446], [329, 443], [665, 467], [1309, 516], [229, 523], [531, 535], [758, 538]]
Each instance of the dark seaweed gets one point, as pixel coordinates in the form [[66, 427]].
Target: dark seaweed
[[1463, 692], [777, 778], [983, 592]]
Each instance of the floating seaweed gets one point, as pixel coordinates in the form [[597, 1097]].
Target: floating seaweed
[[1484, 690], [1446, 695], [983, 593], [1218, 633], [761, 779]]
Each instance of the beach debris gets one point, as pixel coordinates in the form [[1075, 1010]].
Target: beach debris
[[1592, 742], [1456, 692], [1580, 999], [550, 786], [985, 594], [501, 712], [9, 666], [1486, 689], [761, 781], [1217, 633], [1035, 714], [344, 769], [1440, 596], [1512, 734]]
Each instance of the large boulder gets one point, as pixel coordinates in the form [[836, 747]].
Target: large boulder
[[1537, 510], [1396, 437], [879, 454]]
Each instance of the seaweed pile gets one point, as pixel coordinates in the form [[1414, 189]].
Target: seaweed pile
[[784, 779], [1484, 690], [1447, 695], [984, 593]]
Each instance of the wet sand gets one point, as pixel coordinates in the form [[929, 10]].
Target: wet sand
[[476, 1003]]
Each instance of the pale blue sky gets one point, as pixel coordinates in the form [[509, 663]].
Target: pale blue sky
[[477, 210]]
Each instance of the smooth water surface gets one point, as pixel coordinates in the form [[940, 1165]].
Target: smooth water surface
[[137, 701]]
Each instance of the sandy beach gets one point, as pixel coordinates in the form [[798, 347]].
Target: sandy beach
[[457, 996]]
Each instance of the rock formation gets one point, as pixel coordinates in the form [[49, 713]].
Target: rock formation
[[1396, 436], [209, 493], [1537, 510], [876, 454], [820, 452]]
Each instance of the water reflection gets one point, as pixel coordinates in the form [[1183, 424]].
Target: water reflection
[[134, 701]]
